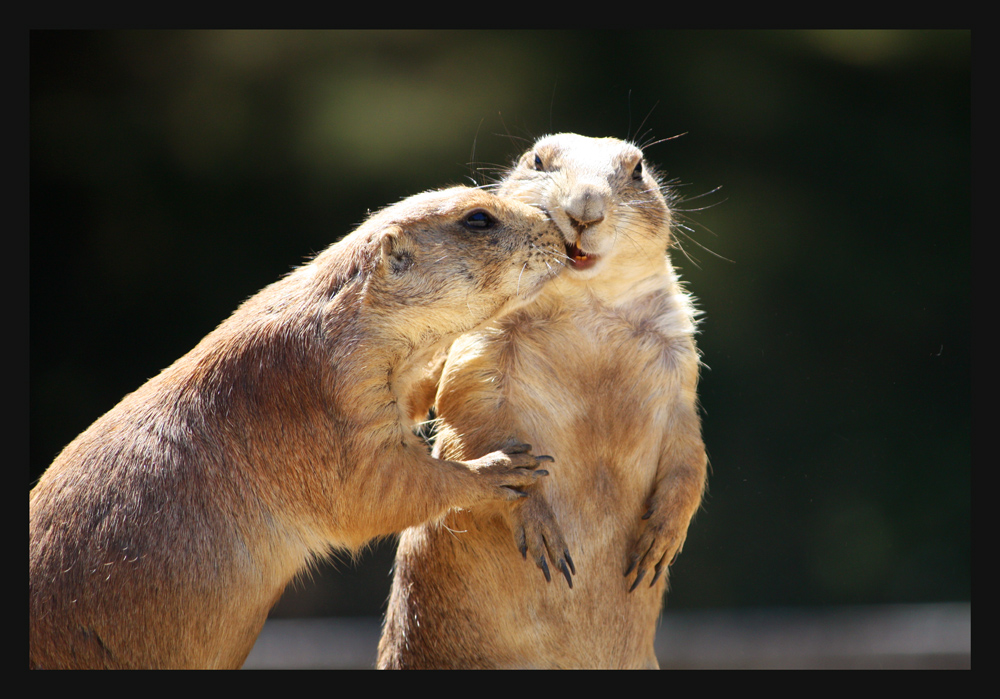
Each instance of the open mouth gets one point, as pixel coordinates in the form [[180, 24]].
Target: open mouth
[[578, 259]]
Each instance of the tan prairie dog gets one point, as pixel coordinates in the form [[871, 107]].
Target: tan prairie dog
[[600, 371], [164, 533]]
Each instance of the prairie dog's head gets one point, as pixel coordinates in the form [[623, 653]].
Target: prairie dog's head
[[448, 260], [604, 197]]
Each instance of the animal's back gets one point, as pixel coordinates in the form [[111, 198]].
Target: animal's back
[[120, 495]]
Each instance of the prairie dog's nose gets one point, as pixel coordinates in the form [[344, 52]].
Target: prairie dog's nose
[[586, 206]]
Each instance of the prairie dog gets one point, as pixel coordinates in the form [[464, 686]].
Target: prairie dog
[[600, 371], [164, 533]]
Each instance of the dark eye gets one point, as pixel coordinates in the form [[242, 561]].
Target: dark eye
[[637, 172], [479, 220], [539, 165]]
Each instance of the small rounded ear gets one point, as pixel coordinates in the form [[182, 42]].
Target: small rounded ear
[[397, 254]]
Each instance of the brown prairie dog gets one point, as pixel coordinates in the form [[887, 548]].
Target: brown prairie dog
[[600, 371], [164, 533]]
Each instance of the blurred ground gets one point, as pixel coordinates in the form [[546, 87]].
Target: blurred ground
[[930, 636]]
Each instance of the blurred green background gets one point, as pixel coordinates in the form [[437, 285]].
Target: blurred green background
[[826, 183]]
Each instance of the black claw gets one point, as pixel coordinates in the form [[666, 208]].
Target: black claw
[[545, 568], [649, 513], [638, 579], [565, 572], [631, 567], [542, 472], [570, 561], [659, 570], [545, 457]]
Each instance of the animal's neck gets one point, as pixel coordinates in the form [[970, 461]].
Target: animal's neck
[[618, 283]]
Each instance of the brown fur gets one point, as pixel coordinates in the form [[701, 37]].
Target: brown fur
[[600, 372], [163, 534]]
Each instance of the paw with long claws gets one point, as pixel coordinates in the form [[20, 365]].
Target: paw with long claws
[[513, 469], [660, 541], [538, 535]]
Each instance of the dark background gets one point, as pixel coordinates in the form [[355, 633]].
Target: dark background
[[826, 182]]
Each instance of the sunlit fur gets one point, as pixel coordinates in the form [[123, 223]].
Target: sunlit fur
[[601, 373], [163, 534]]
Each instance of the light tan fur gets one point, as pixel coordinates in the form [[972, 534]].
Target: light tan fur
[[600, 371], [164, 533]]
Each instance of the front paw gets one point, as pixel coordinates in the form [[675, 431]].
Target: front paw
[[513, 469], [538, 535], [660, 541]]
